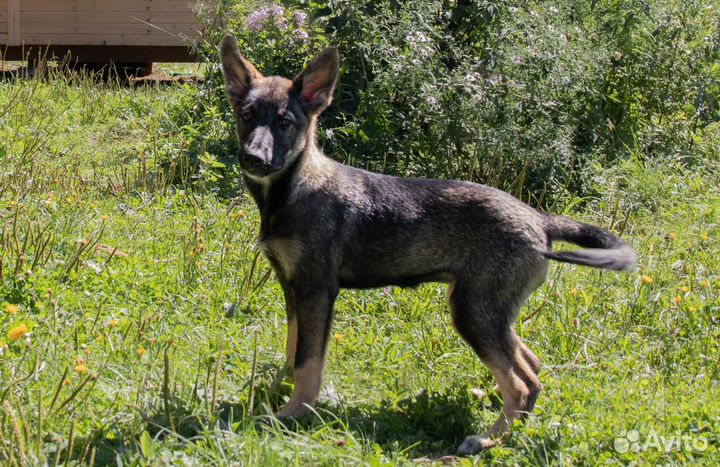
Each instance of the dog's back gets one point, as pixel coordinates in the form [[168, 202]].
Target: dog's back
[[390, 230]]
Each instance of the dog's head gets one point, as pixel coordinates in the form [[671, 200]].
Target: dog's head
[[275, 116]]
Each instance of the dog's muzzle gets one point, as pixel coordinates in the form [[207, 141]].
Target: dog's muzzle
[[255, 165]]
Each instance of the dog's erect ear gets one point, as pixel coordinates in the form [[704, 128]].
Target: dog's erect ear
[[316, 82], [237, 71]]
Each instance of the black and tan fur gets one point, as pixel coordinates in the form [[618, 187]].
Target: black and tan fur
[[327, 226]]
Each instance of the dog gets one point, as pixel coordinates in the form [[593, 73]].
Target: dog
[[326, 226]]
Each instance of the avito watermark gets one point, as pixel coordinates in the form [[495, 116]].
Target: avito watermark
[[632, 440]]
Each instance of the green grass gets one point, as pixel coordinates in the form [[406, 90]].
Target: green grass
[[165, 352], [191, 69]]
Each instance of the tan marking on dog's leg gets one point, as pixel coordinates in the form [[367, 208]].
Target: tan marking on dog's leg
[[532, 360], [513, 390], [291, 345], [308, 382], [528, 355], [519, 387]]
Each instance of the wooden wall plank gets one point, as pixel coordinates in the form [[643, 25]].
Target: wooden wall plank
[[82, 29], [13, 22], [3, 21], [102, 39], [105, 17], [106, 5]]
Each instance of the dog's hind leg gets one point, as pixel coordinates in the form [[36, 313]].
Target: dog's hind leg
[[483, 320], [532, 360], [313, 317]]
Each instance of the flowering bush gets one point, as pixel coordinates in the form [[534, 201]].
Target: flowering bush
[[273, 16], [277, 39], [531, 97]]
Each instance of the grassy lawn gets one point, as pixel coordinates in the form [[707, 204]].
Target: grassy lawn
[[139, 324]]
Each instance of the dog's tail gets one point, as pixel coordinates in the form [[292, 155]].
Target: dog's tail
[[603, 249]]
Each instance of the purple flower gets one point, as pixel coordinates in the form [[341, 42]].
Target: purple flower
[[300, 18], [256, 21], [276, 10], [301, 36]]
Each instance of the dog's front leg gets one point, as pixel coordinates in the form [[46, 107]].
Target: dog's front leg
[[291, 342], [312, 318], [290, 345]]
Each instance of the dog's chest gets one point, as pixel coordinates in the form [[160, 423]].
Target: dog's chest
[[284, 254]]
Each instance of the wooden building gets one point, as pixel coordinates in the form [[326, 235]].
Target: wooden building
[[99, 31]]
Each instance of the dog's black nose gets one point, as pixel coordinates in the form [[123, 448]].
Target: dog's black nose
[[255, 162]]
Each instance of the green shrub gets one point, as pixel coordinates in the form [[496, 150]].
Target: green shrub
[[531, 97]]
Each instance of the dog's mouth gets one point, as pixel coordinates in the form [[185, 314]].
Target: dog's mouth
[[256, 168], [258, 172]]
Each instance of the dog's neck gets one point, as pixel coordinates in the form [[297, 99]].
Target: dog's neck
[[273, 192]]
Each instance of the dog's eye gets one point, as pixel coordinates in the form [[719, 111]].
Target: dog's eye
[[246, 114], [285, 122]]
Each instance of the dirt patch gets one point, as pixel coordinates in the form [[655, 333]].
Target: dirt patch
[[165, 78], [8, 68]]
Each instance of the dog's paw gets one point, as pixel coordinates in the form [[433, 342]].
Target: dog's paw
[[293, 411], [474, 444]]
